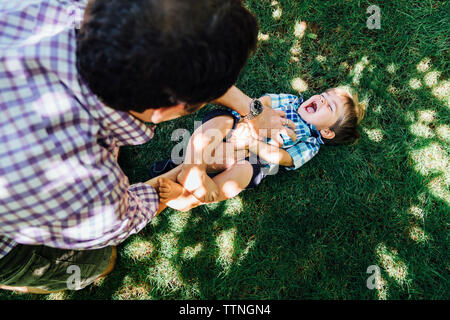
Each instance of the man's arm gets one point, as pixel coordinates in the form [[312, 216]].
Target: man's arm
[[88, 215], [268, 124]]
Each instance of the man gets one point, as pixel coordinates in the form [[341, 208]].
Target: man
[[71, 97]]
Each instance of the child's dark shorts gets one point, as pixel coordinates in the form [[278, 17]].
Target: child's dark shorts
[[259, 169]]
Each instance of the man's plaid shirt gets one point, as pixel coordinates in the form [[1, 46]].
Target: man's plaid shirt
[[60, 184]]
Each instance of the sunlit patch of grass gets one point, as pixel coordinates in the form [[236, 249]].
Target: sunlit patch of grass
[[375, 135], [57, 296], [296, 49], [130, 290], [168, 244], [234, 207], [442, 91], [393, 90], [377, 109], [155, 221], [424, 65], [139, 249], [392, 68], [382, 289], [164, 275], [443, 132], [263, 36], [178, 221], [357, 71], [431, 159], [417, 234], [426, 116], [439, 187], [391, 263], [416, 212], [299, 85], [299, 29], [432, 78], [248, 247], [415, 83], [225, 242], [421, 130], [276, 14], [321, 59], [191, 252], [344, 66]]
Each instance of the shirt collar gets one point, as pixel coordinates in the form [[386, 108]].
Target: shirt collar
[[314, 132]]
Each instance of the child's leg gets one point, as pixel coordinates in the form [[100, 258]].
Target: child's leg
[[173, 195], [225, 156], [234, 180], [199, 153], [171, 175], [230, 183], [205, 139]]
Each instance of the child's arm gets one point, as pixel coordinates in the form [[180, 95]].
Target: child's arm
[[268, 124], [270, 153]]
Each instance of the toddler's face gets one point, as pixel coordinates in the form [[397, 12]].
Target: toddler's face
[[323, 110]]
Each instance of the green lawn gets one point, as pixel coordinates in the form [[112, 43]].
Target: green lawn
[[312, 233]]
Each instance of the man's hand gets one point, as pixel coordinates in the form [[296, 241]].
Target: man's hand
[[271, 123]]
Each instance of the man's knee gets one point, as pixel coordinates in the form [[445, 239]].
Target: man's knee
[[112, 263]]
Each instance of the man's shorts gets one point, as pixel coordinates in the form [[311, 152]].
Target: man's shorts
[[52, 269], [259, 169]]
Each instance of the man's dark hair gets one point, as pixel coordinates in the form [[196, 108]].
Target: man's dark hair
[[141, 54]]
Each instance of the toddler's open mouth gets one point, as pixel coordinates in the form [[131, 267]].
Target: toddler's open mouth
[[311, 108]]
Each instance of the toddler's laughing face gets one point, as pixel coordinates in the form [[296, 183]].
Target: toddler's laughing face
[[323, 110]]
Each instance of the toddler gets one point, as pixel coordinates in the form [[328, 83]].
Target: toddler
[[237, 161]]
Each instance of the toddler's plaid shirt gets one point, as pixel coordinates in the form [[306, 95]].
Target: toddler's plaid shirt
[[308, 137]]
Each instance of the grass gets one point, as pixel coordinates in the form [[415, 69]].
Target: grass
[[312, 233]]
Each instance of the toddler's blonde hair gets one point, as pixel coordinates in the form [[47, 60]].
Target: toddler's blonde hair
[[346, 127]]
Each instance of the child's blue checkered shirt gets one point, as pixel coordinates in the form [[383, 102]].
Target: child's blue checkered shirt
[[308, 140]]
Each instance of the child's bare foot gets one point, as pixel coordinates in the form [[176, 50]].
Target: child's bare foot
[[174, 195]]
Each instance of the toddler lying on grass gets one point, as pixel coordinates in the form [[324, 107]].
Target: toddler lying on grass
[[236, 161]]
